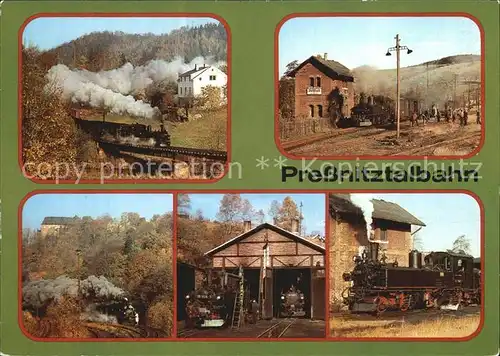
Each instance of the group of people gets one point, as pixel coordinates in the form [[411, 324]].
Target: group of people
[[461, 115]]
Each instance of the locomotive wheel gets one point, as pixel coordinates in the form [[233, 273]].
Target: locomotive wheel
[[380, 307]]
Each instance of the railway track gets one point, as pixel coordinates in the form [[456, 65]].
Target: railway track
[[170, 152], [187, 333], [277, 330]]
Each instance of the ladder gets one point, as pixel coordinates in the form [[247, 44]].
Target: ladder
[[238, 301]]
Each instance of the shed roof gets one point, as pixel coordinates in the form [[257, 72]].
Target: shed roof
[[57, 220], [333, 69], [272, 227], [383, 210], [194, 70]]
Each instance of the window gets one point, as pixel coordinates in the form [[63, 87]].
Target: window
[[383, 234], [190, 90], [180, 90], [311, 110], [318, 82], [311, 81], [320, 110], [212, 77]]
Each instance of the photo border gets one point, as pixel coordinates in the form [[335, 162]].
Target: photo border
[[89, 192], [328, 337], [332, 15], [124, 15]]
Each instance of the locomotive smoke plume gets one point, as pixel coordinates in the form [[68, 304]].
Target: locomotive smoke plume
[[37, 293], [92, 314], [364, 202], [114, 89]]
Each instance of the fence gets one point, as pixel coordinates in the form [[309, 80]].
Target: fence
[[303, 127]]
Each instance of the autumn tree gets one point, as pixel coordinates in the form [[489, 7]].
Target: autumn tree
[[287, 213], [210, 98], [287, 98], [48, 132]]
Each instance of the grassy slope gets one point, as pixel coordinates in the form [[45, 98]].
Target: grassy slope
[[441, 78]]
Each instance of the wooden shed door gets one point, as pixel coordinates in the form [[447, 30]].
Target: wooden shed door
[[318, 290], [267, 312]]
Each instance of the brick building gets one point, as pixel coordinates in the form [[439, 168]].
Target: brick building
[[320, 81], [392, 235], [273, 259], [53, 224]]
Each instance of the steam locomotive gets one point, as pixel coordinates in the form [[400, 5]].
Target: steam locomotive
[[379, 110], [448, 280], [292, 303], [138, 134], [208, 308]]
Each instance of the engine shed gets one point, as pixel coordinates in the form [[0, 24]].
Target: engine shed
[[273, 260]]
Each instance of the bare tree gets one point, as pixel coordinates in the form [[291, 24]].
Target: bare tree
[[462, 244]]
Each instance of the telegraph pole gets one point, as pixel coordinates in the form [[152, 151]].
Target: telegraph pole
[[397, 49]]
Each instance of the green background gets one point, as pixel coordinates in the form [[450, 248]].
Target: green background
[[252, 28]]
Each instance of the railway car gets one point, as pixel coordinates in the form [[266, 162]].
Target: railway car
[[292, 303], [447, 280]]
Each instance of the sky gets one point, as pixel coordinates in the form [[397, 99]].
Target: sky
[[39, 206], [356, 41], [313, 206], [50, 32], [446, 217]]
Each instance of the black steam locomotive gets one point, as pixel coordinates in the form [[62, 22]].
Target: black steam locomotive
[[136, 134], [447, 280], [378, 110], [208, 307], [292, 303]]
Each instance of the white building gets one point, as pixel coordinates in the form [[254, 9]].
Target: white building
[[191, 82]]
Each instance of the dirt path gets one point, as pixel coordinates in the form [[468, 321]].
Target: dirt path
[[432, 139]]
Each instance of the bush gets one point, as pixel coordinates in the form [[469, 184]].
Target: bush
[[160, 316]]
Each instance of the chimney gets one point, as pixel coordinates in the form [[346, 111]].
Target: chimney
[[196, 67], [295, 226], [370, 100], [247, 225], [325, 56], [318, 55], [275, 221]]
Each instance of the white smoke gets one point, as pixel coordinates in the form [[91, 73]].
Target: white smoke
[[92, 314], [38, 293], [364, 202], [114, 89]]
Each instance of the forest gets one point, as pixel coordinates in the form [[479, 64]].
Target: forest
[[49, 135], [69, 274], [197, 234]]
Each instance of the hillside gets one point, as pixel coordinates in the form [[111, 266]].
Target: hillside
[[441, 75], [107, 50]]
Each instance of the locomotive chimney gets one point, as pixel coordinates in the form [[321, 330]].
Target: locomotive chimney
[[195, 67], [325, 56], [247, 225], [295, 226]]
